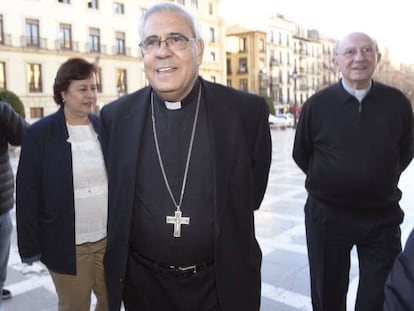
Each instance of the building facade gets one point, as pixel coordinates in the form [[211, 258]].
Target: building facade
[[37, 36], [279, 59], [287, 67]]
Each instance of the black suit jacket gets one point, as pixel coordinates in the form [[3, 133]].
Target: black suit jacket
[[241, 148], [399, 288]]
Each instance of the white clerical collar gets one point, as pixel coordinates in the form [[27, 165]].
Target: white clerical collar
[[173, 105], [358, 94]]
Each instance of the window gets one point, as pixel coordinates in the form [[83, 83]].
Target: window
[[119, 8], [121, 84], [212, 35], [262, 67], [1, 30], [99, 79], [243, 85], [182, 2], [93, 4], [65, 37], [32, 32], [36, 112], [212, 56], [120, 43], [242, 65], [194, 4], [3, 84], [261, 45], [34, 77], [228, 66], [64, 1], [229, 83], [210, 8], [242, 45], [94, 40]]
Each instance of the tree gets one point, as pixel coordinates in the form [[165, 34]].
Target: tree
[[11, 98], [270, 104]]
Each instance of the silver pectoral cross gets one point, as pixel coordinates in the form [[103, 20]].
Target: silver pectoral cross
[[177, 220]]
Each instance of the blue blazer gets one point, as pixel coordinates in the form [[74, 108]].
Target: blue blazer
[[44, 195], [241, 152]]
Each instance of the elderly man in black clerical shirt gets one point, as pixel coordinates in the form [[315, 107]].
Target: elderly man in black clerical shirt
[[188, 163]]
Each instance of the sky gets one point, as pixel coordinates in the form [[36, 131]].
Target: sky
[[390, 22]]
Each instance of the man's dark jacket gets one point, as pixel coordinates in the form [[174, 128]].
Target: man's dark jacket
[[45, 209], [399, 288], [12, 128], [241, 147]]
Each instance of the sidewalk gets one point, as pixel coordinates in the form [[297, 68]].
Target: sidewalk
[[279, 229]]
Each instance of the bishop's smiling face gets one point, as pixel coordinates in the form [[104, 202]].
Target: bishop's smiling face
[[172, 74]]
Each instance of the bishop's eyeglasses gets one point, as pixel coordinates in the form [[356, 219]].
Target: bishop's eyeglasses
[[173, 42]]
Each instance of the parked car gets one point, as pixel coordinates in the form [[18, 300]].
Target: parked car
[[281, 121]]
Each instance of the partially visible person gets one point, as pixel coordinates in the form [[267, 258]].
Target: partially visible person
[[353, 141], [61, 191], [399, 288], [188, 163], [12, 129]]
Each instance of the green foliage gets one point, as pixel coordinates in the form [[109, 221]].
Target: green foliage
[[270, 104], [11, 98]]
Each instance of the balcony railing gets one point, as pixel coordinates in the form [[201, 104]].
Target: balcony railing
[[38, 43], [118, 51], [6, 39], [100, 49], [67, 46], [34, 42]]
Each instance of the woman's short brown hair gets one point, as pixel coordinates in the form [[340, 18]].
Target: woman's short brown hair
[[72, 69]]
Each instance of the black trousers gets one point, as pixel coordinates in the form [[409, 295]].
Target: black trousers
[[331, 233], [149, 290]]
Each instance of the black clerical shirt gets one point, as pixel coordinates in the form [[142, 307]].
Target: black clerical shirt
[[151, 236]]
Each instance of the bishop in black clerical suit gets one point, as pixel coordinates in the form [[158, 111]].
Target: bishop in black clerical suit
[[185, 177]]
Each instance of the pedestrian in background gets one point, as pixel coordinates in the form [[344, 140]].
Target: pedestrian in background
[[12, 129], [188, 163], [61, 191], [353, 141]]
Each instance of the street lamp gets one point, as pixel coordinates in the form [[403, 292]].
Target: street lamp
[[294, 76]]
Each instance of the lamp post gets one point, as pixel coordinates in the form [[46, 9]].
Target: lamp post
[[294, 76]]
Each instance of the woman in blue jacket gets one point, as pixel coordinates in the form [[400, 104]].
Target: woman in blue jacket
[[61, 191]]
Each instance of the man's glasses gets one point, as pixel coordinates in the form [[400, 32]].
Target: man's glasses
[[351, 53], [174, 43]]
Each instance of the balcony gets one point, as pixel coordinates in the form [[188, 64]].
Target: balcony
[[242, 70], [67, 46], [6, 40], [273, 61], [121, 51], [33, 42], [95, 49]]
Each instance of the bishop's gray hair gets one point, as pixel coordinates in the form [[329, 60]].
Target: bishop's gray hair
[[170, 7]]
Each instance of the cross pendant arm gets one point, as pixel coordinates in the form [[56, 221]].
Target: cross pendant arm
[[177, 220]]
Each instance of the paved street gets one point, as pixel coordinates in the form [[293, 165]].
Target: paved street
[[279, 229]]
